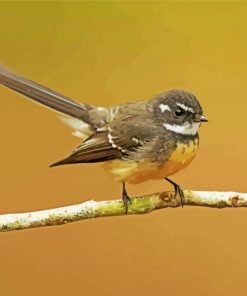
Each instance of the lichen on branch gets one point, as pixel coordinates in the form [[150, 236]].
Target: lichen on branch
[[139, 205]]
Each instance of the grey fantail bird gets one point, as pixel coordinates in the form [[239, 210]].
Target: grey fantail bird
[[136, 141]]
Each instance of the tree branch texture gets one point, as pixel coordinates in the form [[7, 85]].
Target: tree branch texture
[[139, 205]]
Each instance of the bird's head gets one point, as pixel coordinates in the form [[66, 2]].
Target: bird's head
[[179, 111]]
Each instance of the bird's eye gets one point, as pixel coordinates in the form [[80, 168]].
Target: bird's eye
[[179, 112]]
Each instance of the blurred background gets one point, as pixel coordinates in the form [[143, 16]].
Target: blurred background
[[107, 53]]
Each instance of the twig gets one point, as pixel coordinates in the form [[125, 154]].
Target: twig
[[139, 205]]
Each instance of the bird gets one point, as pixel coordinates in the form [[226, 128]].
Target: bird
[[136, 141]]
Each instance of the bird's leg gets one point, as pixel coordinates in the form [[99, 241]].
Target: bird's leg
[[126, 199], [178, 191]]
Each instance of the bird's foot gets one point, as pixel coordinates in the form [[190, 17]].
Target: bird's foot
[[126, 199], [178, 191]]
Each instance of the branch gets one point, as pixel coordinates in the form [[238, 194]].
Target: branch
[[139, 205]]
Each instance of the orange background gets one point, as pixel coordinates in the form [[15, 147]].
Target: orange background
[[107, 53]]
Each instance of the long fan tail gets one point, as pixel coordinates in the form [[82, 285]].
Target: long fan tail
[[44, 95]]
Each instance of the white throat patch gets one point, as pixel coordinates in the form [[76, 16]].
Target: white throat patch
[[185, 129]]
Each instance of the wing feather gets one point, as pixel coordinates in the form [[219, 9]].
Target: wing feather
[[95, 149], [119, 138]]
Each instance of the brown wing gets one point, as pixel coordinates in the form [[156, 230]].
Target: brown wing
[[95, 149], [43, 95], [117, 140]]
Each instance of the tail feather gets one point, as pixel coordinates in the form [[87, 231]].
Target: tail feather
[[44, 95]]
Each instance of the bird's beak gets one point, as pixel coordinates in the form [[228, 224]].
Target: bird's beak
[[203, 118], [200, 118]]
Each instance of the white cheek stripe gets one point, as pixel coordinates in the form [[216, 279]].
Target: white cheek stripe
[[186, 108], [186, 129], [164, 108]]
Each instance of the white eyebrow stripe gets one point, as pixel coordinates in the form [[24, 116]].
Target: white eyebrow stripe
[[186, 108], [164, 107]]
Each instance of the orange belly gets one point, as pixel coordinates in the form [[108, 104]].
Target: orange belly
[[136, 172]]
